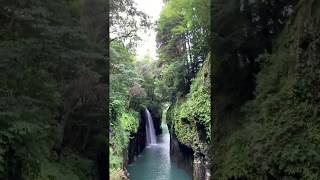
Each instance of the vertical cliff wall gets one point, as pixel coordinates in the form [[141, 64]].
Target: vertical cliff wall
[[274, 134]]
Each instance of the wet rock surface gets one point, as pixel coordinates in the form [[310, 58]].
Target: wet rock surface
[[181, 154], [138, 142]]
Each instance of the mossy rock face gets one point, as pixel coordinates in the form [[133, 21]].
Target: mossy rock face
[[189, 118], [279, 135], [156, 113]]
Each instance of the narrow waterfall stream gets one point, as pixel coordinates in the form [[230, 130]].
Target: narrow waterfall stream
[[154, 162], [151, 135]]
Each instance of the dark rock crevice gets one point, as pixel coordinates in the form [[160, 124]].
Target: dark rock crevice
[[138, 141], [181, 154], [193, 161], [201, 169], [155, 112]]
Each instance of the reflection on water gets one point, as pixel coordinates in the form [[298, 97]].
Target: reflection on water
[[154, 162]]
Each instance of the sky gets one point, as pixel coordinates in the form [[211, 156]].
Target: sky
[[148, 44]]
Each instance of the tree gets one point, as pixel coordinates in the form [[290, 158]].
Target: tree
[[125, 21], [183, 30], [47, 62]]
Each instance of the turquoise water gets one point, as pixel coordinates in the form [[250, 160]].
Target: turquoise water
[[154, 162]]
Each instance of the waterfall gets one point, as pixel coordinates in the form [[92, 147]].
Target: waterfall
[[151, 135]]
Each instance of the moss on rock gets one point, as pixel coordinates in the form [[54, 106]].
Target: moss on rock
[[279, 134], [189, 117]]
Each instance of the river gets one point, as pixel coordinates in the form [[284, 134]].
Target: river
[[154, 162]]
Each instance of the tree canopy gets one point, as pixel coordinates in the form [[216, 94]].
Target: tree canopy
[[53, 85]]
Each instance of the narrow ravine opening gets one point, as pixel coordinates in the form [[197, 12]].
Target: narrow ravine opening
[[155, 160]]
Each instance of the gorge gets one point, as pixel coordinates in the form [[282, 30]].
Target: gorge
[[155, 161]]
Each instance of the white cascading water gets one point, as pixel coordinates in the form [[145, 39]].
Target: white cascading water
[[151, 135]]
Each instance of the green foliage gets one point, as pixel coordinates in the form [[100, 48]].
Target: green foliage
[[124, 126], [125, 21], [278, 134], [172, 80], [123, 121], [71, 166], [122, 72], [132, 89], [190, 117], [182, 33], [48, 69], [132, 84], [117, 174], [115, 161]]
